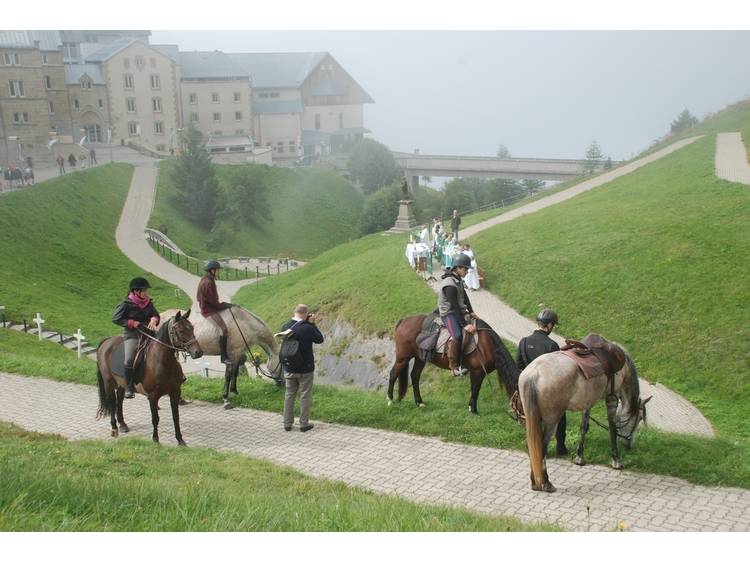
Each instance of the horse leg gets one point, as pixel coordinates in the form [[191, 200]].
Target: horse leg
[[476, 384], [611, 413], [120, 418], [154, 403], [234, 369], [225, 391], [174, 401], [112, 409], [416, 373], [584, 429]]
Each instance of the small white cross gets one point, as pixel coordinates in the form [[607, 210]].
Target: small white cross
[[81, 338], [2, 314], [38, 320]]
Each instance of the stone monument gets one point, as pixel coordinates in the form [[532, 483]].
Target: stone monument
[[405, 221]]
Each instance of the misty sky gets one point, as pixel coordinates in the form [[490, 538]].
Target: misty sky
[[543, 94]]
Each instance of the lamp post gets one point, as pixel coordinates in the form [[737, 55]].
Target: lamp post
[[109, 142]]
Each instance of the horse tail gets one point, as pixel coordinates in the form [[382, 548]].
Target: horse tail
[[403, 381], [105, 405], [507, 369], [534, 434]]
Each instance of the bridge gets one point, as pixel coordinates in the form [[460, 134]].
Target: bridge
[[546, 169]]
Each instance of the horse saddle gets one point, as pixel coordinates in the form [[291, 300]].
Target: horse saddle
[[595, 356], [117, 360], [434, 338]]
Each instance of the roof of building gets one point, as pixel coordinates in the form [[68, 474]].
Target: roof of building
[[48, 40], [109, 50], [209, 64], [74, 73], [171, 51], [275, 107], [239, 140], [278, 70]]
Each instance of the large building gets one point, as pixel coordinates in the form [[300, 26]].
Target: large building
[[60, 88]]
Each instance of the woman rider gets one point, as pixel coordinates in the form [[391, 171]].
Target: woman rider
[[211, 307], [135, 313], [455, 310]]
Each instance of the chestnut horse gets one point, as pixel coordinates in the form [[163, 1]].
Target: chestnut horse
[[162, 374], [490, 354]]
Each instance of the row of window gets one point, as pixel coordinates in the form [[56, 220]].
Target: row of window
[[215, 97], [155, 105], [16, 90], [216, 117], [139, 62], [77, 104], [10, 59], [129, 82], [134, 128], [279, 146]]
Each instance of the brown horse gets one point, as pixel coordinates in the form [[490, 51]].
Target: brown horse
[[489, 355], [552, 384], [162, 374]]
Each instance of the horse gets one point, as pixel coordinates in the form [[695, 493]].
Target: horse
[[162, 374], [552, 384], [244, 329], [490, 354]]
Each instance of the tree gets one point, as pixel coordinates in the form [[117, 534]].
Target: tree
[[685, 120], [246, 194], [373, 165], [195, 180], [503, 152], [532, 186], [380, 209], [594, 156]]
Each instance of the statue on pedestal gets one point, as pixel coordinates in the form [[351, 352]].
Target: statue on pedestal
[[405, 189]]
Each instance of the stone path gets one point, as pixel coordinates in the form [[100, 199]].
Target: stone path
[[731, 158], [422, 469]]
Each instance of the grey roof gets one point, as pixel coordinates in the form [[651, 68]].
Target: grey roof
[[48, 40], [209, 64], [171, 51], [110, 50], [278, 70], [277, 106], [74, 73], [239, 140]]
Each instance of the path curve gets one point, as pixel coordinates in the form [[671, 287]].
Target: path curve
[[423, 469], [731, 158]]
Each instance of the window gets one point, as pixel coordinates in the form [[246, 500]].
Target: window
[[193, 98], [45, 59], [70, 50], [152, 62], [193, 117], [101, 102], [238, 116], [155, 82], [292, 146], [341, 120], [217, 117], [161, 148], [156, 104], [126, 62], [21, 117], [159, 127], [10, 59], [273, 95], [127, 80], [139, 61], [132, 128], [86, 84], [16, 88], [262, 95], [317, 121], [48, 82], [51, 107], [280, 147], [237, 97], [214, 98], [76, 104], [239, 131], [130, 103]]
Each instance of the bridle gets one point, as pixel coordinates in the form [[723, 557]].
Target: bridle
[[173, 337], [639, 411]]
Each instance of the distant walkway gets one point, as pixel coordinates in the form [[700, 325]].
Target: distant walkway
[[731, 158], [423, 469]]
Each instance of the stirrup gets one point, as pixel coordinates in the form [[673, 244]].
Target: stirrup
[[459, 372]]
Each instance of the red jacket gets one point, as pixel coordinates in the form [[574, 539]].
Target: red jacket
[[208, 296]]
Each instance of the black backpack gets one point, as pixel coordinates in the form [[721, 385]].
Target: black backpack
[[290, 354]]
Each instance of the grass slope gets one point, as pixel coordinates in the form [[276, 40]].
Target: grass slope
[[658, 260], [50, 484], [59, 253], [311, 211]]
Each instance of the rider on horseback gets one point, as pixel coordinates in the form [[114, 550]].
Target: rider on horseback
[[455, 310], [208, 300], [136, 312]]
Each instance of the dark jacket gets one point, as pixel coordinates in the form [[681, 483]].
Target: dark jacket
[[455, 223], [208, 296], [531, 347], [307, 334], [128, 315]]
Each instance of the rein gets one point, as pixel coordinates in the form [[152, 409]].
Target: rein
[[617, 430], [256, 362], [170, 331]]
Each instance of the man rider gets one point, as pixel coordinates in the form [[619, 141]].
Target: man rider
[[539, 343], [211, 307], [455, 310]]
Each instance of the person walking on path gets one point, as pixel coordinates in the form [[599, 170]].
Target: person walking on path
[[456, 311], [302, 326], [455, 223], [211, 307], [61, 164], [72, 160], [92, 157], [535, 345], [136, 312]]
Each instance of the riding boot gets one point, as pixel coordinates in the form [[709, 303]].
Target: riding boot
[[129, 391], [223, 350], [454, 359]]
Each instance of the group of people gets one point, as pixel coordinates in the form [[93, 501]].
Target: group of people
[[73, 161], [15, 177], [137, 313]]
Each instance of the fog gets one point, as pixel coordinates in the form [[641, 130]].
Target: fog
[[542, 94]]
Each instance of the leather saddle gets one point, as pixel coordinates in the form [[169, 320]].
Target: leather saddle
[[117, 360], [434, 338], [595, 356]]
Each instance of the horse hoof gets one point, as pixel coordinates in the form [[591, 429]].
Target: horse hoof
[[115, 433], [155, 440], [234, 392], [617, 465], [422, 405], [181, 443], [548, 487], [390, 402], [579, 461], [124, 428], [228, 405]]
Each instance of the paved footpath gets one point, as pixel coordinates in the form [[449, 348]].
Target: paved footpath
[[731, 158], [422, 469]]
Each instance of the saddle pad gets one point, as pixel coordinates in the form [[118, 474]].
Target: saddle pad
[[588, 365], [470, 342], [117, 363]]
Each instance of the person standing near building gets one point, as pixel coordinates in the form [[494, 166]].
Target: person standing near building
[[92, 157], [72, 160], [455, 223], [302, 326], [61, 163]]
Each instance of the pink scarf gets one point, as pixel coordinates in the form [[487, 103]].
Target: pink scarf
[[141, 302]]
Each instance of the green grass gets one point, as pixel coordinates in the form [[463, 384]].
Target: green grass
[[59, 253], [446, 415], [50, 484], [658, 260], [311, 211]]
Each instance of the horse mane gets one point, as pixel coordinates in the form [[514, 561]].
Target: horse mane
[[163, 327], [507, 369], [633, 387]]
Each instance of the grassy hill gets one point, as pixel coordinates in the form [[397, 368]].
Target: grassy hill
[[327, 205], [59, 255]]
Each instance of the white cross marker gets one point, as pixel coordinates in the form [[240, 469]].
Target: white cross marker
[[81, 338], [38, 321], [2, 314]]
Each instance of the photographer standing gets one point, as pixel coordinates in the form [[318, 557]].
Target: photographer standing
[[302, 325]]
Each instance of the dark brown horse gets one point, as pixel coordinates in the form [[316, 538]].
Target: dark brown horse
[[162, 373], [489, 355]]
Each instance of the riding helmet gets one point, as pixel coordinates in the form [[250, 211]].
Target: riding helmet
[[461, 260], [546, 316], [212, 264], [139, 283]]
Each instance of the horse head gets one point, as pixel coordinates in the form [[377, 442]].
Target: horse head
[[631, 409], [182, 335]]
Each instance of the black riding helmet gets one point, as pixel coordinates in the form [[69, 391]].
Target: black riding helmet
[[461, 260], [139, 283], [546, 316], [212, 264]]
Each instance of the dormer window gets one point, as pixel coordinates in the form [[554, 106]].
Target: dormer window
[[86, 84]]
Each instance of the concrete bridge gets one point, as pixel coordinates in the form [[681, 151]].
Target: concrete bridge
[[546, 169]]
